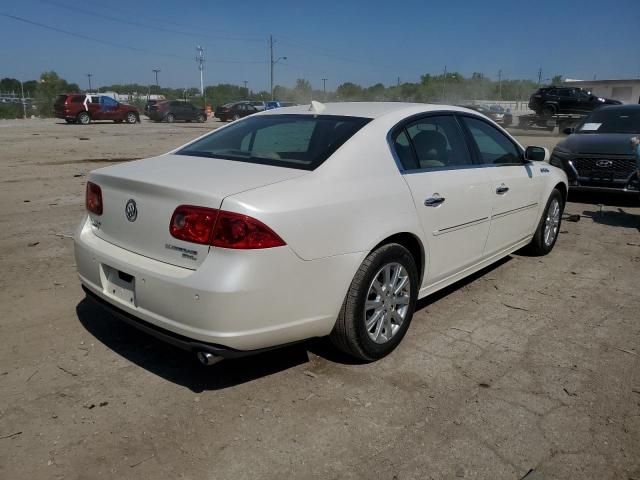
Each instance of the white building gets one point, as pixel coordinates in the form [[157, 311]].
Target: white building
[[627, 91]]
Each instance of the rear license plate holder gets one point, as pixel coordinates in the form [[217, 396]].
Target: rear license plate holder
[[119, 285]]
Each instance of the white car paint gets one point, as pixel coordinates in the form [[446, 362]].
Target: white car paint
[[330, 218]]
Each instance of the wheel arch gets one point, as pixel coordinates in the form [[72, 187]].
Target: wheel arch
[[412, 243], [563, 190]]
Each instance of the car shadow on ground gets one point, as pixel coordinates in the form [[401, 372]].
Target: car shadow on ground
[[179, 366], [182, 368]]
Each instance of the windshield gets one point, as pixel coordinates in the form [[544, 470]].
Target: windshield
[[612, 120], [293, 141]]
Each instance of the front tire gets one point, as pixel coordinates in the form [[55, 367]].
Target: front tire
[[379, 305], [548, 229], [131, 118], [169, 118]]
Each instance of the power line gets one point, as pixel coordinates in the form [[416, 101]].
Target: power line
[[93, 13], [118, 45]]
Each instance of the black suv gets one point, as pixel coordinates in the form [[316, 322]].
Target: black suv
[[598, 153], [566, 100]]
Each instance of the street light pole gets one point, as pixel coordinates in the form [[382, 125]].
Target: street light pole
[[156, 71], [245, 88], [273, 62], [500, 84], [200, 60], [444, 83], [89, 75], [324, 88]]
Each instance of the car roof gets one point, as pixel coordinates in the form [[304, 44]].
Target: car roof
[[365, 109]]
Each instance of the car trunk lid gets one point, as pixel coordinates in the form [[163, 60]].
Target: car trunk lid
[[156, 186]]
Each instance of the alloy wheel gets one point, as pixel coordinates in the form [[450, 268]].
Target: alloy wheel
[[552, 222], [387, 302]]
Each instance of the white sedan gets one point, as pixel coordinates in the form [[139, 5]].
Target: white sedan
[[312, 221]]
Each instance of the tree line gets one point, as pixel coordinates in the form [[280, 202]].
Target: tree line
[[450, 88]]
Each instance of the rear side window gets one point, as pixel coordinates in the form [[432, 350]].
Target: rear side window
[[437, 142], [493, 146], [293, 141]]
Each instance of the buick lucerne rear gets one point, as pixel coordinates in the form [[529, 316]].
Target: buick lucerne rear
[[311, 221]]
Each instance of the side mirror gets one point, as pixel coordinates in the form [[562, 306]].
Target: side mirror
[[568, 130], [537, 154]]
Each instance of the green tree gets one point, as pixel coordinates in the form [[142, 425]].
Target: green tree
[[49, 87]]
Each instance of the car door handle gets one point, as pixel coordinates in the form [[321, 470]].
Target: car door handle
[[433, 201], [502, 189]]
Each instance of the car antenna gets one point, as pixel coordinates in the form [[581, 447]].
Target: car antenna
[[316, 107]]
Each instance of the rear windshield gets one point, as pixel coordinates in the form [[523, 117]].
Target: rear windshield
[[292, 141], [612, 120]]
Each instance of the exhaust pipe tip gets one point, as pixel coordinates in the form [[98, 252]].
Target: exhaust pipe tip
[[208, 359]]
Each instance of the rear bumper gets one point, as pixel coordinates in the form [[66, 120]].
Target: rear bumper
[[235, 300]]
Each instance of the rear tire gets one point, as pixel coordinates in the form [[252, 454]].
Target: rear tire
[[548, 229], [235, 117], [379, 306], [169, 118], [83, 118], [548, 110], [131, 117]]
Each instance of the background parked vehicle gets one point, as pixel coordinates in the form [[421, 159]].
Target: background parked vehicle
[[173, 110], [566, 100], [495, 112], [597, 154], [277, 104], [83, 109], [148, 105], [234, 111]]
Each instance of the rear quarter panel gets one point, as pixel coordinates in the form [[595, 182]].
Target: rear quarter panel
[[349, 204]]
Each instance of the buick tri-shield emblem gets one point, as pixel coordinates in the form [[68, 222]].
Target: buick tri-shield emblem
[[604, 163], [131, 210]]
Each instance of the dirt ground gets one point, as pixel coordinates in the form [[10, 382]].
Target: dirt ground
[[532, 364]]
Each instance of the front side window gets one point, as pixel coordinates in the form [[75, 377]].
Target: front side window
[[493, 146], [293, 141], [437, 142]]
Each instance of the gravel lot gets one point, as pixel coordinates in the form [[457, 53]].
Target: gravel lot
[[531, 364]]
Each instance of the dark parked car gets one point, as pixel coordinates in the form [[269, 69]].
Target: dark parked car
[[598, 154], [171, 110], [148, 105], [234, 111], [84, 108], [566, 100], [494, 112]]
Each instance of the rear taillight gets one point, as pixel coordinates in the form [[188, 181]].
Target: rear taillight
[[93, 198], [193, 224], [221, 229], [243, 232]]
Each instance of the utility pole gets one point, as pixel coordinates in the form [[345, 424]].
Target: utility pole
[[245, 88], [89, 75], [444, 83], [273, 62], [539, 76], [398, 81], [324, 88], [500, 84], [156, 71], [24, 102], [200, 61]]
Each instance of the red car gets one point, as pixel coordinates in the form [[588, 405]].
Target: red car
[[84, 108]]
